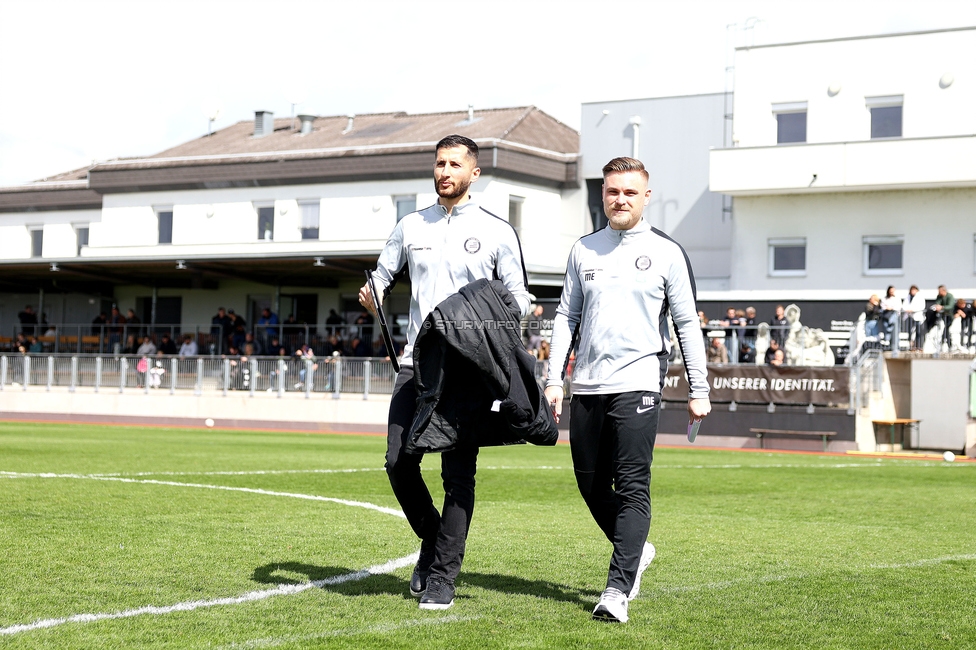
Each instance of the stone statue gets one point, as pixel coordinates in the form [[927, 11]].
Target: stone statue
[[806, 346]]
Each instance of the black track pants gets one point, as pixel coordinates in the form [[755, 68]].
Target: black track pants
[[612, 442], [449, 529]]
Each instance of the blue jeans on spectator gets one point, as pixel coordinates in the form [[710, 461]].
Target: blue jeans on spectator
[[870, 328], [888, 319]]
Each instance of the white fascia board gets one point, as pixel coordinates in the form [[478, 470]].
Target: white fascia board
[[254, 250], [871, 165]]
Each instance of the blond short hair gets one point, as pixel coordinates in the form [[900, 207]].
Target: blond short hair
[[624, 164]]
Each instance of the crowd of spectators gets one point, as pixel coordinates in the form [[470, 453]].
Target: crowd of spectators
[[885, 317], [740, 328], [731, 338]]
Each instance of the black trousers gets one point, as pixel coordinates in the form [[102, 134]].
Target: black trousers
[[448, 530], [612, 441]]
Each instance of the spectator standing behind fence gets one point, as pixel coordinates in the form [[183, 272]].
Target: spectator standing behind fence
[[189, 347], [333, 321], [130, 320], [28, 321], [732, 324], [750, 333], [914, 308], [534, 328], [890, 313], [779, 327], [98, 324], [116, 328], [220, 327], [771, 351], [703, 323], [941, 308], [238, 329], [778, 358], [717, 352], [961, 324], [269, 321], [365, 321], [872, 315]]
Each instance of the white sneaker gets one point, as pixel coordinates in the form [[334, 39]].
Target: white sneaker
[[645, 561], [612, 606]]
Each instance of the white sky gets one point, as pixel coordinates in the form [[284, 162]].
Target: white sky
[[85, 80]]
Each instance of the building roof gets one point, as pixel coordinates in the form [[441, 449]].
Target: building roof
[[519, 143], [525, 125]]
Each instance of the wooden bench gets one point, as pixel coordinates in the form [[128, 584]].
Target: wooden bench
[[902, 422], [761, 433]]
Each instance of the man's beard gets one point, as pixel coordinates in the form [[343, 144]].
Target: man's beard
[[461, 190]]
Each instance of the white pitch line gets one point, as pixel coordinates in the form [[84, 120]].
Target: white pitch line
[[919, 563], [189, 606], [255, 472], [293, 495]]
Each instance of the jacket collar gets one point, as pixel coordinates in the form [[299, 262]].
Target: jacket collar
[[471, 205], [623, 235]]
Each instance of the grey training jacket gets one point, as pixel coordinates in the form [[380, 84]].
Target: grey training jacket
[[618, 289], [443, 252]]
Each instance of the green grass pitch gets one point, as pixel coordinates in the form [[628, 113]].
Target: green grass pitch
[[755, 550]]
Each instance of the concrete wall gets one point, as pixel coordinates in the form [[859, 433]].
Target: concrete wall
[[937, 226], [60, 238], [909, 65], [320, 413]]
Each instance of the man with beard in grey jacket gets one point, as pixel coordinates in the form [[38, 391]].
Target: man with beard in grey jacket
[[444, 247], [621, 282]]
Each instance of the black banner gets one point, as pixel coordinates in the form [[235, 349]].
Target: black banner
[[823, 386]]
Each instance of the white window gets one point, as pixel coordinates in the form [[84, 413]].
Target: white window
[[405, 204], [164, 216], [788, 257], [883, 255], [265, 221], [886, 115], [791, 122], [515, 212], [81, 234], [310, 219], [37, 240]]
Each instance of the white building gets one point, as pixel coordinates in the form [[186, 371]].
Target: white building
[[853, 167], [273, 213]]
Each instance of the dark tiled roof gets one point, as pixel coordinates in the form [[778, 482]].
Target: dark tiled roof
[[79, 174], [521, 125]]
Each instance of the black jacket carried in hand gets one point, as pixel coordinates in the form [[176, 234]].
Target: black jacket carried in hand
[[468, 356]]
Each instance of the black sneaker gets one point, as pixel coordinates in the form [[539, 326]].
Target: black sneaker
[[418, 581], [439, 595]]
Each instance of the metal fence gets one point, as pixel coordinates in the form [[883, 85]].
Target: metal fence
[[867, 377], [202, 375]]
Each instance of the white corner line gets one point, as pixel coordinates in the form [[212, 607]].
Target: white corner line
[[189, 606], [292, 495]]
